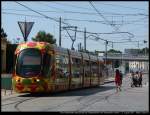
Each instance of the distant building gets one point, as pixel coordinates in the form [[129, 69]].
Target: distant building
[[136, 65], [100, 53], [131, 51]]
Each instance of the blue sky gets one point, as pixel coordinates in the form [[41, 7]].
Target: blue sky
[[129, 17]]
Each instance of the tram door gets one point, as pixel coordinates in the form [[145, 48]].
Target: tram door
[[77, 72], [102, 73], [94, 75], [62, 72], [86, 73]]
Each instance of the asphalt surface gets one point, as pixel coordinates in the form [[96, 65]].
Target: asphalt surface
[[98, 99]]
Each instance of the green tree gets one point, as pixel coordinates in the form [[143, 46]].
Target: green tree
[[145, 50], [113, 51], [42, 36], [3, 34]]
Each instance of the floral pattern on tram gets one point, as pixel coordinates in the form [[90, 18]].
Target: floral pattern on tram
[[39, 45], [29, 84], [32, 83]]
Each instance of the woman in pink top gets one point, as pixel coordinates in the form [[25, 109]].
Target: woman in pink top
[[118, 80]]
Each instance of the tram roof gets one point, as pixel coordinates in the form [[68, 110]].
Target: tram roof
[[38, 45], [46, 46], [76, 54]]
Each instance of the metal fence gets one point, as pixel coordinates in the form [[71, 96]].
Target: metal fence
[[6, 84]]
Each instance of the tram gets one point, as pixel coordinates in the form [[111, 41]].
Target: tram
[[43, 67]]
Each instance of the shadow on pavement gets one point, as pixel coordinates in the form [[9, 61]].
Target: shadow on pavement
[[76, 92]]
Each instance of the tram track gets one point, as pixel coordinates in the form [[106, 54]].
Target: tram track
[[83, 101], [128, 89], [17, 102], [107, 97], [89, 101], [20, 100], [99, 99], [16, 106]]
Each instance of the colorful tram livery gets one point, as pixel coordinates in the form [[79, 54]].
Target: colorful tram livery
[[43, 67]]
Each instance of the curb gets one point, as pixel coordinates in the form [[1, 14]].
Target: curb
[[108, 81]]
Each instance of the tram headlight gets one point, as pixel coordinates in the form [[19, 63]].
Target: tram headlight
[[18, 80], [37, 80]]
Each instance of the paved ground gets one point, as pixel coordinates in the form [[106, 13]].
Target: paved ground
[[98, 99]]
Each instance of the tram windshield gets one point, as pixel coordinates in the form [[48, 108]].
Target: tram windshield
[[29, 63]]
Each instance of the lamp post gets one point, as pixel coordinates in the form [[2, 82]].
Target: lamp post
[[85, 39], [60, 31], [106, 43], [145, 46]]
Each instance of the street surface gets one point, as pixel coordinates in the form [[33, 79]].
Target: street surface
[[98, 99]]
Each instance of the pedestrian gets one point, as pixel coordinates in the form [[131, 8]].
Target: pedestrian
[[117, 81], [121, 77], [132, 79], [140, 79], [136, 83]]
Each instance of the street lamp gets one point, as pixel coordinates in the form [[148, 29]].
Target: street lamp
[[96, 38], [106, 43]]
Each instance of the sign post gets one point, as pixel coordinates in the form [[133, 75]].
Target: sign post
[[25, 28]]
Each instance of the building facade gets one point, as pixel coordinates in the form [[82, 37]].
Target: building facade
[[131, 51], [138, 66]]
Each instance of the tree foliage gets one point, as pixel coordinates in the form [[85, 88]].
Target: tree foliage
[[42, 36], [3, 34], [144, 50], [113, 51]]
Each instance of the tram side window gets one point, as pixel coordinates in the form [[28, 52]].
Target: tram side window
[[87, 68], [94, 68], [47, 65], [76, 67], [62, 67]]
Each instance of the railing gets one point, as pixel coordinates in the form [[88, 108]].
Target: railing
[[126, 57], [6, 84]]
